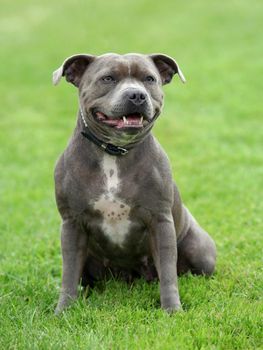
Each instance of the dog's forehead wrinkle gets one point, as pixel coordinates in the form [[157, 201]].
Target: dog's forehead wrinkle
[[129, 64], [118, 67]]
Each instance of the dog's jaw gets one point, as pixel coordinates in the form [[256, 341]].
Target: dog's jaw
[[126, 136]]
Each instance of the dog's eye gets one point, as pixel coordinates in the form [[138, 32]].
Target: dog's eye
[[108, 79], [150, 79]]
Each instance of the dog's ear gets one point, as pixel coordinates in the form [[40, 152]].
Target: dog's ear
[[167, 68], [73, 69]]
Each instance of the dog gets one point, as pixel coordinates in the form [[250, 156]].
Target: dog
[[121, 211]]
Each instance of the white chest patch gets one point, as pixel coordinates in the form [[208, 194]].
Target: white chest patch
[[115, 212]]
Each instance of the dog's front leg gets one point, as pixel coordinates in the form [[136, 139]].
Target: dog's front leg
[[74, 251], [164, 251]]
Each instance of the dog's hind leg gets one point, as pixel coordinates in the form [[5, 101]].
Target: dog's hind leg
[[196, 251]]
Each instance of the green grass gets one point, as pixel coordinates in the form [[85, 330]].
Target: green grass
[[212, 131]]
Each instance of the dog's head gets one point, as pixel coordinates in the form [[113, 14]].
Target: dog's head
[[120, 95]]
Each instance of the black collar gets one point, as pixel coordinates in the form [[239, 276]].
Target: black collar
[[107, 147]]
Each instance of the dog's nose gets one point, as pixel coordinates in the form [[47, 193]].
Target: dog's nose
[[137, 97]]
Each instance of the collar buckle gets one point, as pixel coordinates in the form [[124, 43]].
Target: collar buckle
[[122, 150], [114, 150]]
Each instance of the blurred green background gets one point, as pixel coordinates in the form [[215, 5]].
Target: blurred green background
[[212, 130]]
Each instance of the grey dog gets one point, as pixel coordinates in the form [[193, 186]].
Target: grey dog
[[121, 211]]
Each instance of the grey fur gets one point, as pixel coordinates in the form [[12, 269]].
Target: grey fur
[[163, 238]]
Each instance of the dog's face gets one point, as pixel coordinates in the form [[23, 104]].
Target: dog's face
[[120, 95]]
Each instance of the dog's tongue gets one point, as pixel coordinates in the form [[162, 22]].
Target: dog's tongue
[[129, 121]]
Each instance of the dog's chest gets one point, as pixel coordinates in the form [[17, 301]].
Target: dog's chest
[[114, 210]]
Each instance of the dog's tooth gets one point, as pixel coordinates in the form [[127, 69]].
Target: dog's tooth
[[125, 120], [141, 120]]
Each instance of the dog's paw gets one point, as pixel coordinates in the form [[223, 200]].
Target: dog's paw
[[171, 303], [65, 300], [170, 309], [58, 311]]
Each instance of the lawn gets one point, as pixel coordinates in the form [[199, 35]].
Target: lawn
[[212, 130]]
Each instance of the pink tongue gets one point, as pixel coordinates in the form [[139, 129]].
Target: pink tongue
[[133, 118], [133, 121]]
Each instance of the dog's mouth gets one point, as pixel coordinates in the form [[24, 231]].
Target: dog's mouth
[[128, 121]]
